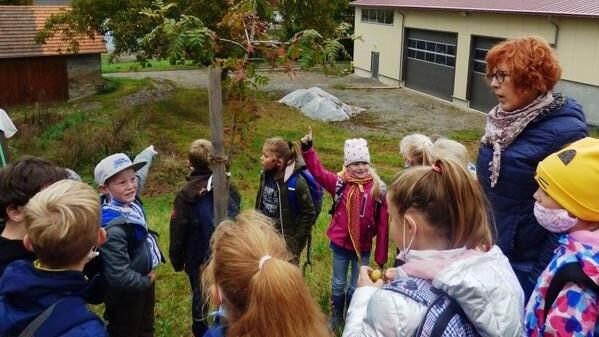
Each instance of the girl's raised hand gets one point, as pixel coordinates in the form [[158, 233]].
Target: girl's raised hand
[[306, 141]]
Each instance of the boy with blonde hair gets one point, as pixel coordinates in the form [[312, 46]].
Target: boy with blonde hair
[[19, 181], [47, 295], [192, 225]]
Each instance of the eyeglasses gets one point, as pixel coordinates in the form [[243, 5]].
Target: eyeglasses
[[499, 77]]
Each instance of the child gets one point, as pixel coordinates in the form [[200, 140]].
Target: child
[[565, 301], [250, 277], [19, 181], [63, 230], [416, 149], [451, 149], [359, 214], [192, 225], [279, 163], [439, 220], [131, 252]]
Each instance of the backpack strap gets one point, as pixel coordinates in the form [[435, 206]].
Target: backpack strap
[[569, 272], [292, 196], [339, 187], [59, 318], [30, 330]]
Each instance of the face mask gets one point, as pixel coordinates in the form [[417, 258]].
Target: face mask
[[403, 255], [554, 220]]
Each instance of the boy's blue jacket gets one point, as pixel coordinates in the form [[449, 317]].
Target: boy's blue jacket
[[26, 291], [519, 235], [192, 221], [126, 273]]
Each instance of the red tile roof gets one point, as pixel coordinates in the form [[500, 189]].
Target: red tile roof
[[581, 8], [19, 24]]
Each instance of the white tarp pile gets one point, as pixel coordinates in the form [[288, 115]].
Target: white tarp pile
[[319, 104]]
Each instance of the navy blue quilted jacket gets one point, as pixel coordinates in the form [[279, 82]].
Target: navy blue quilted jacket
[[518, 234]]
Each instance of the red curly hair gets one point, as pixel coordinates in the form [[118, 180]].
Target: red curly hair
[[531, 63]]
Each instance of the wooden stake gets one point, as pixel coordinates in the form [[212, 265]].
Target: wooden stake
[[219, 180]]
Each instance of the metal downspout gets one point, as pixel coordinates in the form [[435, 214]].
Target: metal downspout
[[556, 36], [402, 44]]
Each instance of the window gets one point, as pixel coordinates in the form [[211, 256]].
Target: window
[[431, 51], [480, 63], [377, 16]]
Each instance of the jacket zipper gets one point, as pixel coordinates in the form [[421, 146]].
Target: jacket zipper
[[280, 210]]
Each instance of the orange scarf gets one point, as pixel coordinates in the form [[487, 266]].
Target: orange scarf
[[353, 190]]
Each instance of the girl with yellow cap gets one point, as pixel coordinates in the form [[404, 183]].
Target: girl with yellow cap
[[565, 301]]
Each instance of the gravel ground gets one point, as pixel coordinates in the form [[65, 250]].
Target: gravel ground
[[387, 109]]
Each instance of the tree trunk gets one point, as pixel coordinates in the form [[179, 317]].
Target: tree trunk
[[219, 180]]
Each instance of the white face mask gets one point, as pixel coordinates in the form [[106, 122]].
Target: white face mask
[[403, 254], [554, 220]]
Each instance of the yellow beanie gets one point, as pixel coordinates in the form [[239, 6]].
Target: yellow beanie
[[571, 177]]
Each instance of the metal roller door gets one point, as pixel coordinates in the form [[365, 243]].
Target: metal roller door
[[480, 94], [430, 62]]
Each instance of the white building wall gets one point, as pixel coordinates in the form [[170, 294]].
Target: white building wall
[[576, 41]]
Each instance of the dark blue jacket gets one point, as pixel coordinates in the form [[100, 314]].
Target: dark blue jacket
[[192, 221], [25, 292], [518, 234]]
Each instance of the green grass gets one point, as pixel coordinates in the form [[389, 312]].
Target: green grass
[[154, 65], [78, 136]]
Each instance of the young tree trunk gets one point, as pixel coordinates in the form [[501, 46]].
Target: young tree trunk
[[219, 180]]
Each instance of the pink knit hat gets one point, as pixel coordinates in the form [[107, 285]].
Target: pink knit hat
[[356, 150]]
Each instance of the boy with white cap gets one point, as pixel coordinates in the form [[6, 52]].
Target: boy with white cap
[[566, 298], [359, 214], [131, 251]]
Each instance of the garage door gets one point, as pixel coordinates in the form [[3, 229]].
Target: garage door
[[480, 94], [430, 62]]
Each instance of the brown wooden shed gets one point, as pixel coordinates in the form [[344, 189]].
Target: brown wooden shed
[[30, 72]]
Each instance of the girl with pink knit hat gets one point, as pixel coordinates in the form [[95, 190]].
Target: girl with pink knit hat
[[359, 213]]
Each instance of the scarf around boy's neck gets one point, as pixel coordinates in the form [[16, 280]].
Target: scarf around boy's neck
[[132, 212], [353, 189]]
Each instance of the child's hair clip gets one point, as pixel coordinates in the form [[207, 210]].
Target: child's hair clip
[[437, 168]]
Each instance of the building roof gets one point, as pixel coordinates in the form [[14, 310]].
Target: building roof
[[19, 24], [580, 8]]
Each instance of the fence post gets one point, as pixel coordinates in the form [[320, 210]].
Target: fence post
[[219, 180]]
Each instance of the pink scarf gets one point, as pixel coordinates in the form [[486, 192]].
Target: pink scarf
[[505, 126]]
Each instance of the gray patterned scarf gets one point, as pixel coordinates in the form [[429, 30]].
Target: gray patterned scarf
[[503, 127]]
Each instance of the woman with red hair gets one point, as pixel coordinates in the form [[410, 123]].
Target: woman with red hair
[[529, 123]]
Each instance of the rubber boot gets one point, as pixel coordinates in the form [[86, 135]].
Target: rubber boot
[[337, 311]]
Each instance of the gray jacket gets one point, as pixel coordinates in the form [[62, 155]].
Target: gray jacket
[[127, 254]]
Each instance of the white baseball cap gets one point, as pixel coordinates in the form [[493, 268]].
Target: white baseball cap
[[114, 164]]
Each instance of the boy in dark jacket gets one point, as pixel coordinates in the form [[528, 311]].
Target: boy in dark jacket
[[131, 252], [48, 296], [192, 225], [19, 181]]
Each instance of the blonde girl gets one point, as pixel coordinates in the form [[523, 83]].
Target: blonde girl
[[279, 163], [439, 221], [416, 149], [358, 215], [250, 277]]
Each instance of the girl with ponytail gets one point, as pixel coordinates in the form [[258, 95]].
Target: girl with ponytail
[[439, 221], [280, 163], [249, 275]]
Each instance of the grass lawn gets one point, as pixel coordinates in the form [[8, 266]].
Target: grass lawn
[[119, 66]]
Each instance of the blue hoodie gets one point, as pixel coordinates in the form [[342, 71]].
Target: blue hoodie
[[26, 291]]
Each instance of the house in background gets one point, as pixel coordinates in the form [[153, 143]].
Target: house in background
[[438, 46], [30, 72]]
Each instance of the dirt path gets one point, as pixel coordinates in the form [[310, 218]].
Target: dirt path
[[388, 110]]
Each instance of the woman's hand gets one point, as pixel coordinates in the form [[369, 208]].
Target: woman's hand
[[306, 141], [364, 279]]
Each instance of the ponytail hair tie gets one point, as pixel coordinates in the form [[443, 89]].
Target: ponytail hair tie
[[290, 144], [263, 259], [437, 168]]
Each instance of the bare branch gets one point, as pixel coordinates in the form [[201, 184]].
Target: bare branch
[[233, 42]]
